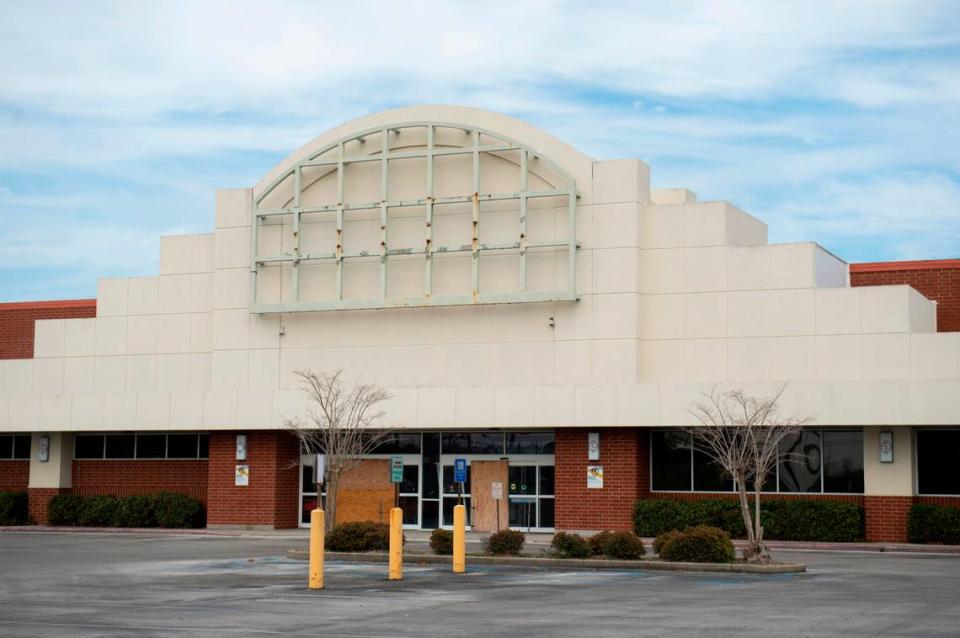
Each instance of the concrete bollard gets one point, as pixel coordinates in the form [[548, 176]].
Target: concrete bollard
[[317, 533], [459, 539], [396, 544]]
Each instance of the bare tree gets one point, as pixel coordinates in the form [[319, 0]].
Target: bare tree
[[742, 435], [340, 423]]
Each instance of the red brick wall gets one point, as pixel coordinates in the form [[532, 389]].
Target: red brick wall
[[39, 501], [624, 456], [17, 322], [271, 497], [130, 477], [945, 501], [14, 475], [938, 280], [886, 518]]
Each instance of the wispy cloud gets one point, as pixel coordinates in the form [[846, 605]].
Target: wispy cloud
[[832, 121]]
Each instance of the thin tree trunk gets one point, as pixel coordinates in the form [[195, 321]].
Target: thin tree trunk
[[745, 511], [333, 485]]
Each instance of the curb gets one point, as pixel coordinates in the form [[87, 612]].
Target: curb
[[563, 563]]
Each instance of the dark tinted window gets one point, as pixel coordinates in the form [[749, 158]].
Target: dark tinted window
[[546, 512], [546, 482], [530, 443], [938, 453], [523, 512], [431, 514], [473, 443], [671, 460], [708, 476], [431, 448], [431, 482], [88, 446], [119, 446], [204, 446], [182, 446], [151, 446], [523, 479], [411, 479], [843, 462], [399, 443], [800, 462], [449, 503], [6, 447], [21, 446]]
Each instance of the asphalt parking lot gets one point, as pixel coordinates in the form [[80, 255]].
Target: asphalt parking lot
[[76, 584]]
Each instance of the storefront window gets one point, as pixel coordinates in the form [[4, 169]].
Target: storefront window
[[14, 446], [938, 453], [670, 451], [843, 462], [472, 443], [800, 462], [530, 443]]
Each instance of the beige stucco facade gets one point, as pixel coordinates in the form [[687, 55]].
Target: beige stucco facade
[[675, 296]]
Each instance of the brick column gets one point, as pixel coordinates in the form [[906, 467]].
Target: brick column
[[624, 457], [270, 499], [885, 518]]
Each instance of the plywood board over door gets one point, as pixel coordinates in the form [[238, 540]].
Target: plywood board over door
[[483, 474], [366, 493]]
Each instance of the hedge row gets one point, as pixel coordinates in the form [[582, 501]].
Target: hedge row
[[700, 544], [362, 536], [13, 508], [163, 509], [933, 524], [788, 520]]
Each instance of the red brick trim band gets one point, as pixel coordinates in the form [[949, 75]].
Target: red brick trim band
[[889, 266]]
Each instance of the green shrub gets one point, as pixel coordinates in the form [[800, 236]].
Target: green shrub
[[97, 511], [782, 519], [363, 536], [663, 538], [625, 546], [570, 545], [507, 541], [64, 509], [599, 542], [933, 524], [700, 544], [136, 511], [163, 509], [441, 541], [176, 510], [13, 508]]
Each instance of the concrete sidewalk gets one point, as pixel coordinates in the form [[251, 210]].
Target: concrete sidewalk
[[535, 542]]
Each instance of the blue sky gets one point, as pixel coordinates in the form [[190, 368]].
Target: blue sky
[[833, 122]]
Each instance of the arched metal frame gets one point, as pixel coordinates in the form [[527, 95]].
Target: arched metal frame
[[294, 210]]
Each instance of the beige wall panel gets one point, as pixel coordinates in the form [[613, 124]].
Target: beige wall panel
[[176, 254], [705, 269], [615, 361], [791, 266], [609, 225], [48, 340], [80, 337], [175, 294], [553, 405], [48, 376], [111, 335], [792, 312], [935, 355], [142, 295], [705, 315], [111, 297], [233, 207], [79, 375], [888, 479], [748, 268], [141, 335], [748, 313]]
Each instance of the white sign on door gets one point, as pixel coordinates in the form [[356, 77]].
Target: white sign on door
[[496, 490]]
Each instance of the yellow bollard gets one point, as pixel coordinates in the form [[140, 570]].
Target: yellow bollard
[[459, 539], [396, 544], [316, 548]]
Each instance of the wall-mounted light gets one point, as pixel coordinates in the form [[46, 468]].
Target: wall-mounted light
[[593, 446], [886, 447], [241, 447], [43, 450]]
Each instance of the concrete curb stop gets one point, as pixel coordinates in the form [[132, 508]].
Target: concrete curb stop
[[564, 563]]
